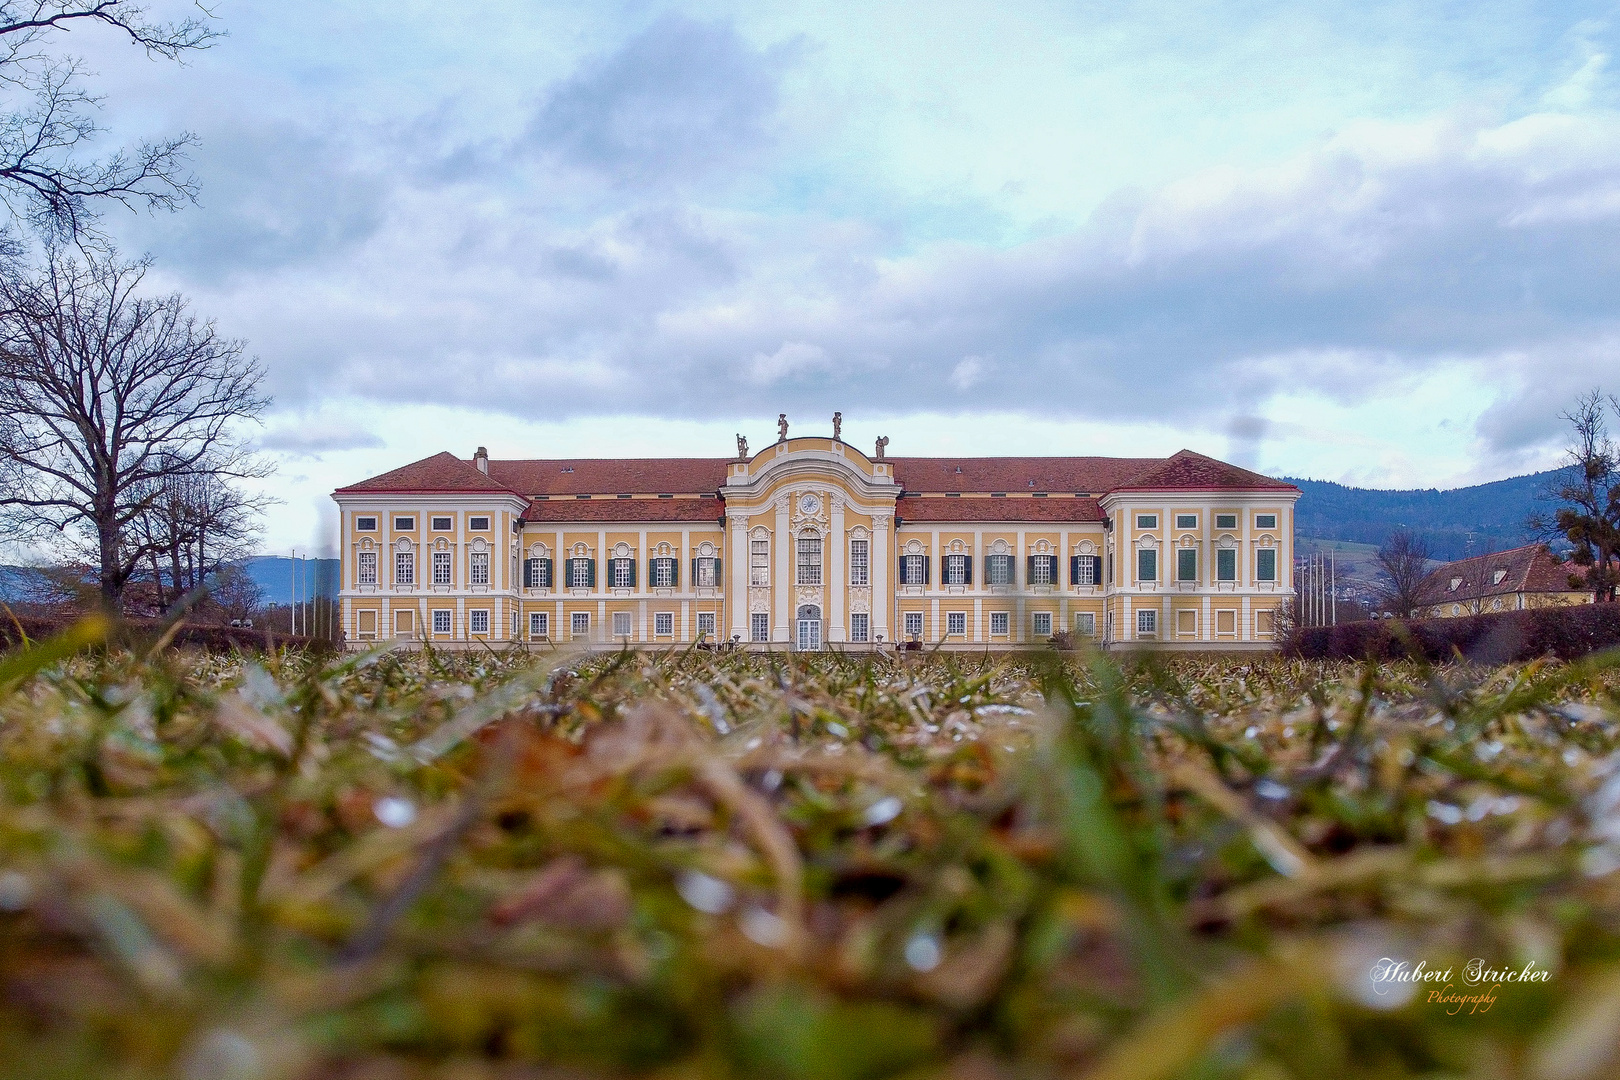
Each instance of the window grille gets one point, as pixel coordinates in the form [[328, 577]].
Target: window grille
[[809, 560], [759, 563], [663, 623], [441, 568], [539, 624], [580, 624], [365, 571], [859, 562], [404, 568], [956, 623], [478, 621], [998, 623], [441, 622], [759, 626], [858, 624]]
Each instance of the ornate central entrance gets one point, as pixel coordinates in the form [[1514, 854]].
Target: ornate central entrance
[[809, 627]]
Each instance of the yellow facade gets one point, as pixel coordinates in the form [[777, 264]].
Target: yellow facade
[[813, 544]]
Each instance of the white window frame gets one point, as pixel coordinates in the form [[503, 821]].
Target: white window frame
[[1041, 623], [706, 578], [441, 568], [478, 621], [1181, 557], [449, 524], [442, 620], [1041, 569], [1226, 521], [955, 570], [759, 626], [1186, 521], [916, 569], [860, 556], [539, 624], [1000, 624], [1265, 521], [808, 555], [860, 628], [478, 568], [621, 570], [663, 624], [624, 624], [1225, 555], [1087, 569], [1147, 521], [579, 624], [1258, 555], [1150, 553], [405, 528], [1147, 622], [956, 623], [914, 625], [759, 562], [1085, 623], [661, 572], [579, 573], [365, 523], [1004, 561], [473, 526], [705, 624], [404, 568], [365, 568]]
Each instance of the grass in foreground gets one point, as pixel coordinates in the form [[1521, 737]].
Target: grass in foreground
[[414, 866]]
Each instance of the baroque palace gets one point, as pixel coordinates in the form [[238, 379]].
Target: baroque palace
[[812, 544]]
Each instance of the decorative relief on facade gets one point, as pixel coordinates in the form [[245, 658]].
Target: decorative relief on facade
[[758, 605], [1085, 547], [998, 547], [880, 521], [808, 594], [914, 547]]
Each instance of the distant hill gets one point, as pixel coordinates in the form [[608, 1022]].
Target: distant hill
[[1457, 523], [272, 573]]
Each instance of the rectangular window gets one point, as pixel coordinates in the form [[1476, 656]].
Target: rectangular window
[[759, 563], [579, 624], [1043, 624], [579, 573], [859, 562], [859, 625], [1187, 622], [1085, 623], [1265, 521], [914, 624], [956, 569], [478, 524], [1226, 622], [1147, 565], [441, 621], [1147, 623], [537, 573], [662, 572], [706, 625], [1226, 564], [1265, 622], [759, 627], [442, 524], [998, 570], [365, 524], [913, 569], [480, 568], [539, 625], [1187, 564], [1265, 564], [1085, 569], [621, 624], [998, 623], [706, 577], [1186, 521], [404, 524], [1042, 569], [663, 623], [809, 560], [441, 568], [956, 623], [1226, 521], [366, 624], [623, 571], [1147, 521], [478, 622], [365, 568], [404, 568]]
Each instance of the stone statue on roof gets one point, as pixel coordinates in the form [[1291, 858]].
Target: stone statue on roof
[[742, 447], [838, 427], [883, 441], [781, 427]]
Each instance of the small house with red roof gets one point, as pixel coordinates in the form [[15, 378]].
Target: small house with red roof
[[812, 543], [1515, 580]]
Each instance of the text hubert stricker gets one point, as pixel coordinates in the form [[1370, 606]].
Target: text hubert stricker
[[1475, 973]]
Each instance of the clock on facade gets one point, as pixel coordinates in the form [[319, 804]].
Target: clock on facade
[[809, 504]]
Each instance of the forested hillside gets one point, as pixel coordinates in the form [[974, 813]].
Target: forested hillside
[[1458, 523]]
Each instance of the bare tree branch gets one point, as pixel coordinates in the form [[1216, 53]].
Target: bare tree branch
[[1403, 563], [122, 421]]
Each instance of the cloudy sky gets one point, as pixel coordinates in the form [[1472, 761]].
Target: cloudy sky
[[1375, 243]]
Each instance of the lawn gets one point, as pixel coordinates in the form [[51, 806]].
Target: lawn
[[420, 865]]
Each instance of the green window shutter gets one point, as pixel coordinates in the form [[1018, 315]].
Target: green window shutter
[[694, 572], [1074, 569], [718, 579], [1187, 565], [967, 569], [902, 578], [928, 566], [1226, 564], [1266, 565], [568, 573], [1029, 569], [632, 572], [1096, 570], [674, 573], [989, 576], [545, 573], [1147, 565], [590, 573]]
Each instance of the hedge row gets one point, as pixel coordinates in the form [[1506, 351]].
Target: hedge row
[[1504, 637], [197, 636]]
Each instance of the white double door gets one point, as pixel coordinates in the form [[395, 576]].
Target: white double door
[[809, 623]]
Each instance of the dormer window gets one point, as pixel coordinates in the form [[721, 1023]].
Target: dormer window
[[1456, 581], [1497, 576]]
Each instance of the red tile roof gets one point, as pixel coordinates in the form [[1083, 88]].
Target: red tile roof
[[612, 476], [1187, 471], [1092, 475], [1529, 569], [443, 472], [610, 510], [913, 510]]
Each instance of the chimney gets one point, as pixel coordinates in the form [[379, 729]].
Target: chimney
[[481, 459]]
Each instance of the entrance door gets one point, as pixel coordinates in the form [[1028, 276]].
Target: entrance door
[[809, 628]]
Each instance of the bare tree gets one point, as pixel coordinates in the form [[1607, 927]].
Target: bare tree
[[47, 178], [108, 397], [1589, 494], [194, 523], [1403, 563]]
